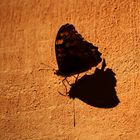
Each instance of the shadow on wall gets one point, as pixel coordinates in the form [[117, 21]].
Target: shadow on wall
[[98, 89]]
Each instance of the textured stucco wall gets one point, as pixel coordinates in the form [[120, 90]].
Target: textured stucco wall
[[30, 105]]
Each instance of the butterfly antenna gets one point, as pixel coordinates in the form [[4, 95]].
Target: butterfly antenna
[[49, 67]]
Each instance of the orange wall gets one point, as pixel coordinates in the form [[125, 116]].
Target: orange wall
[[30, 105]]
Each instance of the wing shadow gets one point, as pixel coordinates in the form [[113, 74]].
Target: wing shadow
[[98, 89]]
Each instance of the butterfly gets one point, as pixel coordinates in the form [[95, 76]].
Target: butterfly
[[73, 53]]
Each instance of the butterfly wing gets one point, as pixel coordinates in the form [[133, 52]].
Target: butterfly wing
[[73, 53], [65, 49]]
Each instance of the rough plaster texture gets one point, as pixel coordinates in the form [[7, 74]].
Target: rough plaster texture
[[30, 105]]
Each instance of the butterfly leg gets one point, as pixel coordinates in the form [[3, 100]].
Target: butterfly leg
[[65, 85], [65, 79], [76, 78]]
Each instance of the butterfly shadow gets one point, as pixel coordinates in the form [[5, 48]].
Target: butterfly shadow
[[98, 89]]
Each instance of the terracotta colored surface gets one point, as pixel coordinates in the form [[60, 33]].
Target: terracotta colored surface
[[30, 105]]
